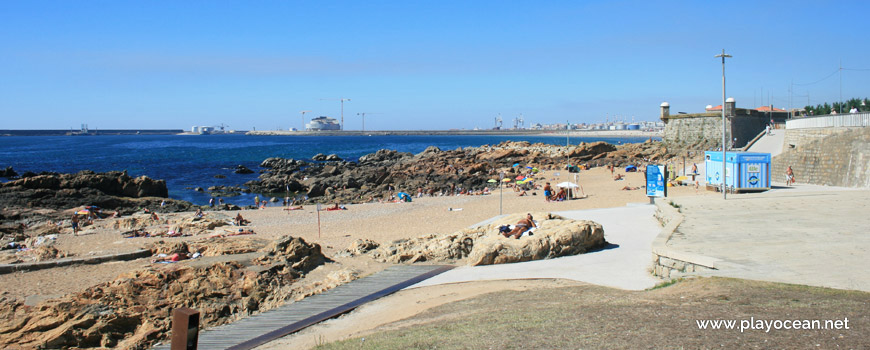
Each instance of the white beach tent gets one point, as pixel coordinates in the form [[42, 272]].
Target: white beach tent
[[571, 186]]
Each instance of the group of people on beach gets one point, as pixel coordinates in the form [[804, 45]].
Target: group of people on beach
[[551, 196]]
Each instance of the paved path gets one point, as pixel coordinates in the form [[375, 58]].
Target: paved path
[[627, 266], [812, 235], [770, 143], [261, 328]]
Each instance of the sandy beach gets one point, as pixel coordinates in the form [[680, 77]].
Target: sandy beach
[[381, 222]]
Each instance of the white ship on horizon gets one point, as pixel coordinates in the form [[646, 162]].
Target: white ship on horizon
[[323, 123]]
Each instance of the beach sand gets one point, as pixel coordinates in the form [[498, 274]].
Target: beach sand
[[381, 222]]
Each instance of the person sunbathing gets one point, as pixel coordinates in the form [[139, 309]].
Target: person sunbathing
[[562, 195], [174, 257], [522, 226], [293, 207], [618, 177]]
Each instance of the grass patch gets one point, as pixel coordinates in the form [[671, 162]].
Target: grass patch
[[599, 317], [665, 284]]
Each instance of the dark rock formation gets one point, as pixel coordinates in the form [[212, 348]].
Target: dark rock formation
[[8, 173], [241, 169], [113, 190], [386, 172]]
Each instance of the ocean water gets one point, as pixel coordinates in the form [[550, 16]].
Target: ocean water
[[188, 161]]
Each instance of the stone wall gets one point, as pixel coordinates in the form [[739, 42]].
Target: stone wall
[[694, 131], [704, 131], [826, 156]]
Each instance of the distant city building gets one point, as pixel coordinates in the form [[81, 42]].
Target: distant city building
[[202, 130], [323, 123]]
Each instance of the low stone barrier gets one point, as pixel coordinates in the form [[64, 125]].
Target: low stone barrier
[[9, 268]]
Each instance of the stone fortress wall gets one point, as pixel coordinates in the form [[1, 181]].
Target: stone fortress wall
[[704, 130]]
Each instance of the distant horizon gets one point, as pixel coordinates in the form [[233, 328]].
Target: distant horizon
[[414, 66]]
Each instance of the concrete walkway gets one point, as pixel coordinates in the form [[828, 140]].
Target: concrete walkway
[[769, 143], [625, 266], [811, 235]]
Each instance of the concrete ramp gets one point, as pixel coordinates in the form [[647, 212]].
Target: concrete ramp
[[769, 143]]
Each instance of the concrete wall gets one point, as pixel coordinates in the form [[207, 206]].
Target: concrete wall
[[826, 156]]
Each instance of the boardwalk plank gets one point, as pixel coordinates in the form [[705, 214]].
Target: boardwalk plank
[[259, 329]]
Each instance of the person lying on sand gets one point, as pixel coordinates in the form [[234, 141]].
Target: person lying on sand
[[174, 257], [229, 233], [629, 188], [522, 226], [336, 207], [618, 177], [294, 207]]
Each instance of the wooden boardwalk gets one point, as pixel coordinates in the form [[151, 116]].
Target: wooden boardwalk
[[262, 328]]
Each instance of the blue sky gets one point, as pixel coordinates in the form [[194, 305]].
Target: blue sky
[[411, 64]]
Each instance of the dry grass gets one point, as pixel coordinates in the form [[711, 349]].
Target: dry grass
[[599, 317]]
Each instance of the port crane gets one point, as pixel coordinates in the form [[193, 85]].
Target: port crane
[[221, 126], [518, 121], [498, 122]]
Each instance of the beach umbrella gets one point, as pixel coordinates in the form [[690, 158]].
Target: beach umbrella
[[529, 167], [516, 165], [682, 178], [520, 177], [83, 212], [491, 180], [567, 184], [506, 180]]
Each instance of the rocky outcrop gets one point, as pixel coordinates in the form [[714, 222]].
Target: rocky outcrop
[[241, 169], [8, 172], [387, 171], [132, 311], [556, 236], [113, 191]]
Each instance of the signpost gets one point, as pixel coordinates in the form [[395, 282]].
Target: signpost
[[500, 190], [318, 220], [655, 182]]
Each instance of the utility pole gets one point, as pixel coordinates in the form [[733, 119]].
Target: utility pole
[[841, 87], [723, 56], [567, 133]]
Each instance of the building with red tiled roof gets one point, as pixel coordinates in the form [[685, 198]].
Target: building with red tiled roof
[[767, 109]]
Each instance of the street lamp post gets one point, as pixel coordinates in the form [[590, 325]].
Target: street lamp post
[[363, 114], [723, 56]]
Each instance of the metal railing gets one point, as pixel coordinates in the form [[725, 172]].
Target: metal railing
[[830, 121]]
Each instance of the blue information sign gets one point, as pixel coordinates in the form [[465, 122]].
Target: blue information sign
[[655, 181]]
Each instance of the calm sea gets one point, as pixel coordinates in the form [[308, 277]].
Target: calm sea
[[187, 161]]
